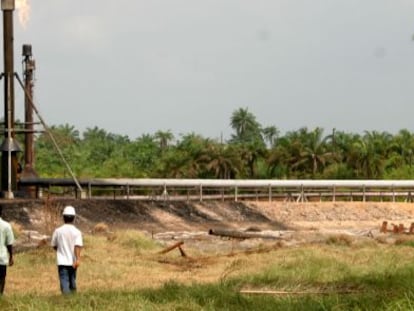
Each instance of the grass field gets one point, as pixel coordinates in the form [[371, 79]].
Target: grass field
[[125, 271]]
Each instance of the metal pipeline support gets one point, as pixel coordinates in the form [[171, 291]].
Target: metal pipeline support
[[30, 101]]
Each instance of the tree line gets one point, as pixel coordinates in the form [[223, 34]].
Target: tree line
[[252, 152]]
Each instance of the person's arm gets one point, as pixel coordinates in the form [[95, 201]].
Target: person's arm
[[77, 256], [10, 250], [53, 241]]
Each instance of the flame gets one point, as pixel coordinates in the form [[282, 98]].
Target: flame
[[23, 8]]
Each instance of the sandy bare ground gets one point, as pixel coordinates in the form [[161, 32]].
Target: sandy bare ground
[[288, 223]]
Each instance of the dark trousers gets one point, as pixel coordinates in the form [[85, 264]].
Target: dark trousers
[[67, 278], [3, 272]]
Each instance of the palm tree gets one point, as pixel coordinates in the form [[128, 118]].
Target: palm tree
[[98, 142], [271, 134], [278, 160], [401, 149], [283, 158], [370, 154], [64, 135], [164, 138], [48, 159], [223, 161], [251, 153], [188, 159], [341, 165], [143, 154], [245, 125], [313, 153]]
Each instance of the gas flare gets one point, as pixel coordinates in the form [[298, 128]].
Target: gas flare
[[23, 8]]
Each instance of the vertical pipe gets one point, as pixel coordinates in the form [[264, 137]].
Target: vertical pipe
[[363, 193], [393, 194], [9, 157], [270, 193], [235, 194], [9, 193], [29, 155], [302, 194], [29, 67]]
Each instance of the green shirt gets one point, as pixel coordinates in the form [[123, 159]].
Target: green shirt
[[6, 238]]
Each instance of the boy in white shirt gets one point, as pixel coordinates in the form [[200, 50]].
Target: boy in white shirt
[[67, 241]]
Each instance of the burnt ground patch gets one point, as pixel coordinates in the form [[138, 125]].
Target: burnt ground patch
[[135, 213], [113, 211], [20, 210], [189, 213], [247, 213]]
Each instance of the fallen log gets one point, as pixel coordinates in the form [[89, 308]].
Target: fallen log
[[241, 234]]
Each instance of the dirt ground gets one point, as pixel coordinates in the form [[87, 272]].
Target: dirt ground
[[249, 223]]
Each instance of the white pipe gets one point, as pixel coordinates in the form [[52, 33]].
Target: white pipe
[[243, 183]]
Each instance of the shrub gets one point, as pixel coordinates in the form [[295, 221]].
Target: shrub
[[100, 228]]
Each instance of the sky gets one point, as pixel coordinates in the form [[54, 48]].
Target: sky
[[134, 67]]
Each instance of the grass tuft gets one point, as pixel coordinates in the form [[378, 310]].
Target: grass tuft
[[136, 240], [340, 239], [405, 241]]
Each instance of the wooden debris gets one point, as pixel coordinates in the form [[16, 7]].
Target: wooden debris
[[411, 231], [398, 229], [309, 292], [394, 228], [384, 227], [182, 251], [170, 248]]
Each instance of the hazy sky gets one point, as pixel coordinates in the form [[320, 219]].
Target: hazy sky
[[138, 66]]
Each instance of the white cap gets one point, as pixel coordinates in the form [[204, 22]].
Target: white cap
[[69, 211]]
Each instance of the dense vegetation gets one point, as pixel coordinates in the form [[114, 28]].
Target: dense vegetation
[[253, 151]]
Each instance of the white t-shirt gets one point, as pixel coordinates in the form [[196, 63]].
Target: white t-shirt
[[6, 238], [65, 238]]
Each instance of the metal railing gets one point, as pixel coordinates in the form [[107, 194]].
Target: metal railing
[[236, 190]]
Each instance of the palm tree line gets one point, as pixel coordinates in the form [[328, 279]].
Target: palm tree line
[[252, 152]]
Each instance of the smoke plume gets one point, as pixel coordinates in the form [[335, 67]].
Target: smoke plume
[[23, 8]]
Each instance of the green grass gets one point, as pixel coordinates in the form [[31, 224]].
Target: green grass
[[333, 276], [378, 292]]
